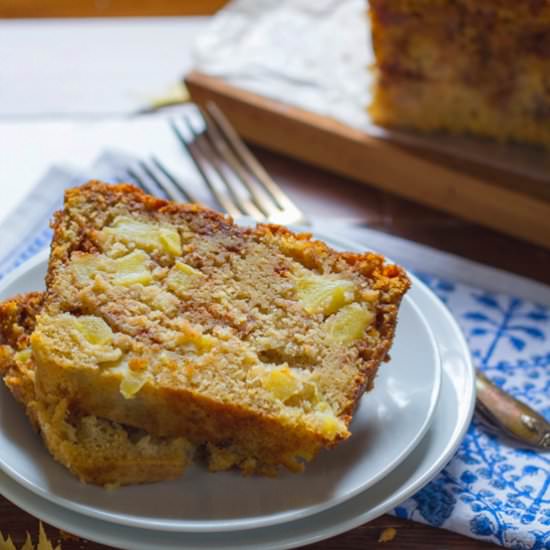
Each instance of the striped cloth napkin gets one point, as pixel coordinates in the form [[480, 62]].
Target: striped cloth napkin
[[489, 490]]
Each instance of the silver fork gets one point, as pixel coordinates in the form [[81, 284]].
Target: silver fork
[[242, 188], [237, 181], [235, 178]]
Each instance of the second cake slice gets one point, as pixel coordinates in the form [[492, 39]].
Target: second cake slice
[[257, 343]]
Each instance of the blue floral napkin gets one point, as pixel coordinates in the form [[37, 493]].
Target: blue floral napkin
[[490, 490]]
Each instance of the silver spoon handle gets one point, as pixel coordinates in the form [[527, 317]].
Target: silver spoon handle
[[513, 417]]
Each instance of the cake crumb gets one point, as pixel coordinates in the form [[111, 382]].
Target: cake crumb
[[387, 535], [262, 285]]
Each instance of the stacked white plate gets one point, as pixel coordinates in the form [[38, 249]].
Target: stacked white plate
[[404, 433]]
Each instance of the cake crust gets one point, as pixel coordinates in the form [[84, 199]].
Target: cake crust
[[214, 334], [96, 450], [463, 67]]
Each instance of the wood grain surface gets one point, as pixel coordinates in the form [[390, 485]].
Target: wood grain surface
[[321, 194], [515, 205], [409, 536], [107, 8]]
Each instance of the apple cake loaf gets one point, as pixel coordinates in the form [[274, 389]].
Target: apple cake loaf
[[463, 66], [96, 450], [256, 343]]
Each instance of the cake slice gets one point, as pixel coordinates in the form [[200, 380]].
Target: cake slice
[[96, 450], [254, 342], [480, 67]]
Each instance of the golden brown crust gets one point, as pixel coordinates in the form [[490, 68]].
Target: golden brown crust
[[97, 451], [256, 427], [18, 317], [17, 321], [536, 10]]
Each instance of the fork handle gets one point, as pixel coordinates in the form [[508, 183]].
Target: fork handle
[[511, 416]]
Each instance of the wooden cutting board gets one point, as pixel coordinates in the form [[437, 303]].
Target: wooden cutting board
[[506, 202]]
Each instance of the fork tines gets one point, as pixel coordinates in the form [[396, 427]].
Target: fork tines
[[235, 178], [153, 177]]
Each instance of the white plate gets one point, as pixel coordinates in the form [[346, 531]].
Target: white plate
[[389, 423], [452, 417]]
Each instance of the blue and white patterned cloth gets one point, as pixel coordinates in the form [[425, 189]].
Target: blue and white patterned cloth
[[489, 490]]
